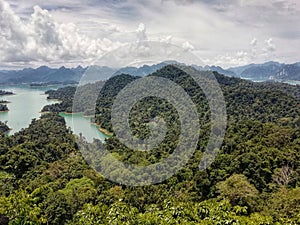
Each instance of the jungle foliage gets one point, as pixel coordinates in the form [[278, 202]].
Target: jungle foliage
[[254, 179]]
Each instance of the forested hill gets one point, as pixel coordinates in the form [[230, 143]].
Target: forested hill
[[262, 101], [254, 179], [246, 100]]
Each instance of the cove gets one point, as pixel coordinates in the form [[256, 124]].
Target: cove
[[26, 104]]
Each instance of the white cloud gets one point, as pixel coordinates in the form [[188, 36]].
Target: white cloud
[[166, 39], [44, 28], [254, 42], [75, 31], [228, 60], [40, 38], [187, 46], [270, 46], [263, 52], [141, 33]]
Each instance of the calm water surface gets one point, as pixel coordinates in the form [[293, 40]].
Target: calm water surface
[[26, 105], [80, 124]]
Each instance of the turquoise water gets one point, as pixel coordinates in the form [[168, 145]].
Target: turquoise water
[[26, 105], [80, 124]]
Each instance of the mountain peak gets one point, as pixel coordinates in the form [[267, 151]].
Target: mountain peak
[[43, 67], [79, 67], [272, 63]]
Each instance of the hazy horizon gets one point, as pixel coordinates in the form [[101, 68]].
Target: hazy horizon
[[86, 66]]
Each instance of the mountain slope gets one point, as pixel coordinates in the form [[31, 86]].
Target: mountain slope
[[254, 179], [44, 74], [291, 72], [145, 69], [220, 70], [269, 71], [263, 72]]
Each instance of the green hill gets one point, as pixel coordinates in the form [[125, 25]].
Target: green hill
[[254, 179]]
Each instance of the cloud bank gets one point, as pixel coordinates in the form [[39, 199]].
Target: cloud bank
[[40, 38], [222, 32]]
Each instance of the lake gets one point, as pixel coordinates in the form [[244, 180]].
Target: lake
[[26, 105], [291, 82], [80, 124]]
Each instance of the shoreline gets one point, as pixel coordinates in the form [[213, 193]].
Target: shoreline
[[52, 99], [88, 116], [1, 95], [71, 113], [67, 113], [42, 113], [102, 130]]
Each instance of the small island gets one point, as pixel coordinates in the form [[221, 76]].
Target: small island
[[2, 93], [4, 102], [3, 108]]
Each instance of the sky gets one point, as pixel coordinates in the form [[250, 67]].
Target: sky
[[226, 33]]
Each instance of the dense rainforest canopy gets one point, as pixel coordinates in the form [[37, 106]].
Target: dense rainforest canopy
[[254, 179]]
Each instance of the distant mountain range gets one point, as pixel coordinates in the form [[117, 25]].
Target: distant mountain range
[[145, 69], [42, 74], [269, 71], [263, 72]]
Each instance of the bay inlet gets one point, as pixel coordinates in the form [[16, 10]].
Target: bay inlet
[[26, 104]]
